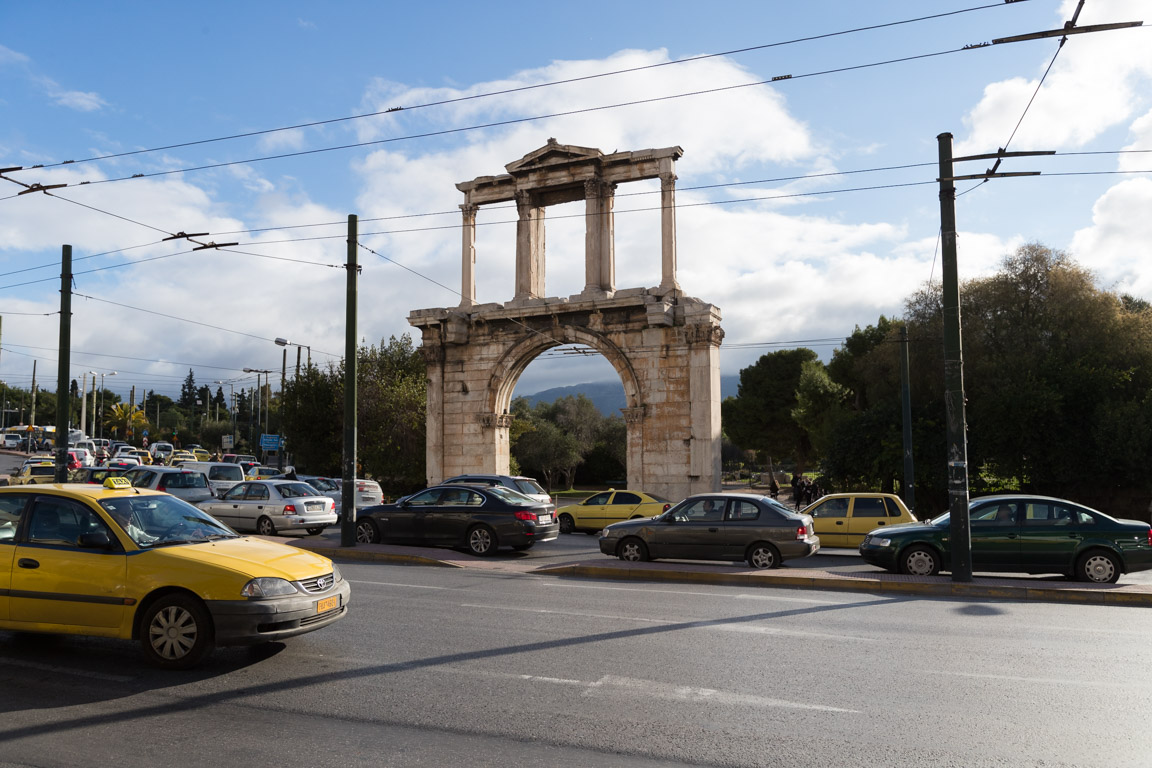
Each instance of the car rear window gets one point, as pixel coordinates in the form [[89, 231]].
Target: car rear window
[[527, 485], [293, 490], [184, 480], [230, 472], [48, 470], [511, 496]]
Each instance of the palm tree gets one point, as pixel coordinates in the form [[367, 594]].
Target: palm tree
[[125, 419]]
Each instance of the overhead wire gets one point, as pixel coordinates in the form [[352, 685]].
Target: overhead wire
[[534, 86]]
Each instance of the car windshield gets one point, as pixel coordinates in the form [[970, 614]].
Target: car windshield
[[323, 484], [156, 520], [294, 490]]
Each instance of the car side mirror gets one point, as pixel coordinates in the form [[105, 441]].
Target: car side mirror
[[96, 540]]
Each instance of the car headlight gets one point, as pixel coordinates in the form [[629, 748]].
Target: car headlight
[[876, 541], [268, 587], [336, 575]]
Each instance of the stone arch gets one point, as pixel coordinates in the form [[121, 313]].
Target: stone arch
[[518, 357], [663, 344]]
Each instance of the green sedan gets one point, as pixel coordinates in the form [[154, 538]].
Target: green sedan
[[1020, 534]]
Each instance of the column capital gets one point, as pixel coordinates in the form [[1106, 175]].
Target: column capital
[[633, 415]]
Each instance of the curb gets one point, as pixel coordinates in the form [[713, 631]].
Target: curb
[[883, 583]]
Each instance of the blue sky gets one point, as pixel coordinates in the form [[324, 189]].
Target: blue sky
[[785, 260]]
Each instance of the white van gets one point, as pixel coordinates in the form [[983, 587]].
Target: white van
[[12, 441], [221, 475], [161, 452]]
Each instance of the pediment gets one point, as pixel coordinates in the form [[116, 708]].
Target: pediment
[[553, 153]]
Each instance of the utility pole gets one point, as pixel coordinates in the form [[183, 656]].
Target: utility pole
[[348, 482], [280, 427], [64, 353], [906, 405]]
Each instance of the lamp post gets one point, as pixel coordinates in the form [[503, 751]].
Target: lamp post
[[101, 419], [84, 397], [285, 343]]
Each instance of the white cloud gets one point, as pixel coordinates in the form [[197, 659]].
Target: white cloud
[[1116, 246], [9, 56], [82, 101], [1097, 82]]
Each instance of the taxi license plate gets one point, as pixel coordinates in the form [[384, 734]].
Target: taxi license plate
[[544, 519], [327, 604]]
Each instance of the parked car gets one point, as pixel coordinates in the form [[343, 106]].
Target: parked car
[[325, 485], [182, 483], [270, 507], [1019, 533], [12, 441], [222, 477], [842, 519], [525, 485], [117, 561], [729, 526], [368, 492], [482, 519], [611, 506]]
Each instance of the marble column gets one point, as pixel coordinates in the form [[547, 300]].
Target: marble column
[[468, 256], [668, 230], [529, 247]]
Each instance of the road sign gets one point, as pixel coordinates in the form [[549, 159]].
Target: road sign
[[270, 442], [226, 441], [145, 433]]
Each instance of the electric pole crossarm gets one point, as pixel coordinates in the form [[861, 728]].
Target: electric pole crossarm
[[973, 176], [1065, 32], [1001, 154]]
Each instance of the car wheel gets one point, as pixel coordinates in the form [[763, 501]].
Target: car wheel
[[763, 555], [567, 524], [265, 526], [920, 561], [1098, 567], [315, 530], [367, 532], [481, 540], [176, 632], [632, 550]]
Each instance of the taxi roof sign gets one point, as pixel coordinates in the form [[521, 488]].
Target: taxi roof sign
[[117, 483]]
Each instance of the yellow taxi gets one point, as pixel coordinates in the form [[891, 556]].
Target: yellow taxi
[[261, 473], [608, 507], [34, 473], [200, 454], [118, 561], [843, 519], [179, 457], [141, 455]]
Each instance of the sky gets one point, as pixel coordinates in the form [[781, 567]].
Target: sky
[[807, 192]]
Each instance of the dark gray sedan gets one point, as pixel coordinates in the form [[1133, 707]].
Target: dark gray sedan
[[716, 526]]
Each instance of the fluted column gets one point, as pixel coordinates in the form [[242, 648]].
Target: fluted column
[[529, 247], [668, 230]]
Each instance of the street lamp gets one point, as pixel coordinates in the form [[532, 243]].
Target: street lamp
[[284, 343], [102, 375], [84, 397]]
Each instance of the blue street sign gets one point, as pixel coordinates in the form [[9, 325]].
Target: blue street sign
[[270, 442]]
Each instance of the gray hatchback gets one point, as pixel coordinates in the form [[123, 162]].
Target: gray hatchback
[[716, 526], [184, 484]]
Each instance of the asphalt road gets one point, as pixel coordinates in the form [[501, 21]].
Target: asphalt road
[[437, 667]]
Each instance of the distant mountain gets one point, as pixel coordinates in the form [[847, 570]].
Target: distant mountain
[[608, 396]]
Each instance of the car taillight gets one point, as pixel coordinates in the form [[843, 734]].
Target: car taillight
[[529, 516], [666, 507], [289, 509], [802, 532], [1150, 537]]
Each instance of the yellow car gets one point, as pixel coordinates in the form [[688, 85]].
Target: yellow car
[[843, 519], [608, 507], [142, 456], [179, 457], [124, 562], [31, 474], [261, 473], [201, 454]]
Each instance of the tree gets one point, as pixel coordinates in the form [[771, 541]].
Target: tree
[[188, 392], [760, 418], [549, 451], [124, 419]]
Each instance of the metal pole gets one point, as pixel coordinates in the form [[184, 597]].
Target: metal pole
[[961, 534], [906, 402], [63, 355], [348, 487], [280, 425]]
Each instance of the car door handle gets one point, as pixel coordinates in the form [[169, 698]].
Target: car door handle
[[879, 523], [27, 562], [839, 522], [1012, 535], [713, 530]]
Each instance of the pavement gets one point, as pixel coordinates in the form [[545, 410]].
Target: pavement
[[790, 574]]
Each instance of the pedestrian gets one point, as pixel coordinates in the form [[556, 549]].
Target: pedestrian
[[773, 487]]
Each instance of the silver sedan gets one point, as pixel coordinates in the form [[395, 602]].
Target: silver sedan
[[269, 507]]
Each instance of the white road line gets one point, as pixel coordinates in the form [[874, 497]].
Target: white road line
[[721, 624], [67, 670], [395, 584], [612, 685], [1042, 680], [742, 596]]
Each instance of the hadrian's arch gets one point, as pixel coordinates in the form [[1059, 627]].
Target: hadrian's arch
[[663, 344]]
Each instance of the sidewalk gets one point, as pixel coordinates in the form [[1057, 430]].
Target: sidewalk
[[1036, 589]]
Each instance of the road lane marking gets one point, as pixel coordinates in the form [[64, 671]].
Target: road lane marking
[[741, 596], [734, 624], [1043, 680], [614, 685]]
